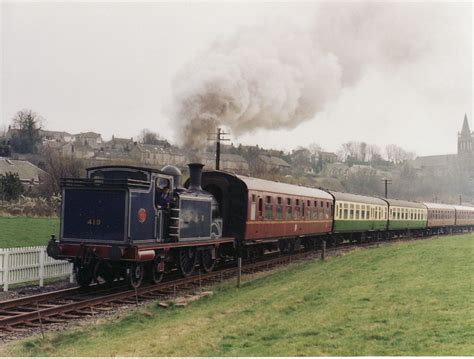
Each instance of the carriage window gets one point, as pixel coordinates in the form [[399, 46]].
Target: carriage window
[[288, 201], [268, 207], [315, 213], [253, 198], [322, 212], [268, 211], [297, 212], [351, 214], [357, 214], [288, 213], [315, 203], [297, 202], [279, 213], [308, 203], [308, 212], [279, 200]]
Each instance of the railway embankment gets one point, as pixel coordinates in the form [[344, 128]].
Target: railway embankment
[[408, 298]]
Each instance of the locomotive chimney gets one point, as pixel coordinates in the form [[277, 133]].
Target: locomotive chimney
[[195, 176]]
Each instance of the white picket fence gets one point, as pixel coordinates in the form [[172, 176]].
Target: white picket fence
[[27, 264]]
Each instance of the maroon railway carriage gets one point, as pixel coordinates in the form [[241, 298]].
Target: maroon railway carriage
[[259, 211], [464, 217], [441, 217]]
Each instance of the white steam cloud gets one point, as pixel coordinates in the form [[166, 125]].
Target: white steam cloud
[[278, 76]]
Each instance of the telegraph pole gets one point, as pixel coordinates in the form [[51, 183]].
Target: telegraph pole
[[387, 182], [219, 137]]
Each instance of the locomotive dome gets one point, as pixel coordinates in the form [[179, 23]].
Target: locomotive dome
[[175, 172]]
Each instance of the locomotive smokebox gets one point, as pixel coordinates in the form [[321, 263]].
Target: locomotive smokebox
[[195, 176]]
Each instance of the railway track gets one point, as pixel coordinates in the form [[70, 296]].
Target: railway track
[[26, 314]]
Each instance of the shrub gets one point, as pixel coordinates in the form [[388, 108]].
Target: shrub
[[10, 186]]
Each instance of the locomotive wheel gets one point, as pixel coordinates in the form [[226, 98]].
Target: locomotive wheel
[[157, 276], [207, 263], [187, 261], [135, 274], [83, 275], [103, 272]]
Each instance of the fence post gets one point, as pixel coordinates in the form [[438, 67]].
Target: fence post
[[71, 276], [6, 270], [239, 271], [41, 267]]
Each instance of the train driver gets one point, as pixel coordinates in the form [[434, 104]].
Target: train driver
[[163, 195]]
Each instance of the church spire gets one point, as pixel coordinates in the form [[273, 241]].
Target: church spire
[[466, 131]]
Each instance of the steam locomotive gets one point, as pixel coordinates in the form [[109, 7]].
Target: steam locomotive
[[130, 222], [123, 221]]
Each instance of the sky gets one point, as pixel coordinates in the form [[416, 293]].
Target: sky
[[279, 75]]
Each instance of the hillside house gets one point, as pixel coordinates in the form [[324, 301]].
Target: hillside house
[[92, 139], [228, 162], [272, 163], [29, 173], [119, 144], [157, 156]]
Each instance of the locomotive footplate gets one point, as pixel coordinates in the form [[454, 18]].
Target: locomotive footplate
[[141, 252]]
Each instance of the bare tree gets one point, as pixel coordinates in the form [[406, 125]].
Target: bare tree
[[149, 137], [314, 148], [26, 127], [396, 154], [373, 153], [58, 167]]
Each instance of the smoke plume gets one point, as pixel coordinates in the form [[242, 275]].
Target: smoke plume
[[277, 75]]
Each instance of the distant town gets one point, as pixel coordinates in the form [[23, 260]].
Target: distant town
[[40, 156]]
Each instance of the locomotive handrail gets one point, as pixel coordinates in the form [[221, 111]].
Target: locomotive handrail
[[102, 182]]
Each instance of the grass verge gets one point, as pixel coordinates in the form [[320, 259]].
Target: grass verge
[[24, 231], [404, 299]]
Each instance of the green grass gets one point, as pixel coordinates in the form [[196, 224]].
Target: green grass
[[23, 231], [404, 299]]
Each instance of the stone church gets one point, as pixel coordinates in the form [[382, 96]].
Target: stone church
[[462, 161], [465, 139]]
